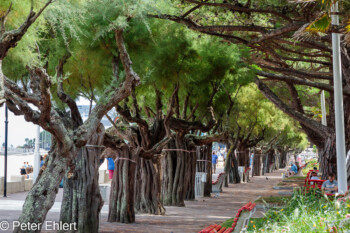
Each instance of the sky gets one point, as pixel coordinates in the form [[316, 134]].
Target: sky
[[19, 128]]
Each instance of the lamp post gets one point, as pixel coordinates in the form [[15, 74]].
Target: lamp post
[[323, 109], [36, 155], [338, 104], [5, 164]]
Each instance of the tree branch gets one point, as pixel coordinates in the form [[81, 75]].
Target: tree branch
[[156, 149], [3, 19], [9, 39], [65, 98], [242, 9], [116, 95], [298, 81], [322, 130], [170, 110], [205, 140], [45, 95]]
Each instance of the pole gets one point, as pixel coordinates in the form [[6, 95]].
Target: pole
[[36, 166], [323, 109], [6, 136], [338, 104]]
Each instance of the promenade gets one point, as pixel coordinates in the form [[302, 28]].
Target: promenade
[[192, 218]]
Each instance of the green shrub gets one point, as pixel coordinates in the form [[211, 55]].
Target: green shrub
[[310, 212], [310, 166]]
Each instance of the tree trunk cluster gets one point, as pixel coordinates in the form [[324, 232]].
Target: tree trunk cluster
[[121, 201], [82, 201]]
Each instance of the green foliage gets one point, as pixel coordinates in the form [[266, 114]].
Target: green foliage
[[311, 212], [280, 130], [321, 24], [228, 223], [310, 166], [274, 199]]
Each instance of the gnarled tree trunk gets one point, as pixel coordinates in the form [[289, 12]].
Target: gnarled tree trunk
[[243, 156], [121, 201], [231, 166], [147, 187], [190, 171], [204, 154], [43, 193], [174, 172], [82, 201], [258, 164], [328, 158], [283, 160]]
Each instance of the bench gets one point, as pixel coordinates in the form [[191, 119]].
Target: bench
[[308, 175], [216, 186], [216, 229], [240, 223], [316, 184]]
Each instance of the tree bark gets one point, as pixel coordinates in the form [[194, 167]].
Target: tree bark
[[168, 173], [176, 173], [208, 156], [147, 187], [328, 158], [231, 167], [121, 202], [283, 160], [258, 166], [43, 193], [234, 177], [190, 171], [82, 201], [243, 156]]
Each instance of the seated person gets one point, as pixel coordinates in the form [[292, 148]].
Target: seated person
[[330, 186], [293, 169], [314, 176], [309, 174]]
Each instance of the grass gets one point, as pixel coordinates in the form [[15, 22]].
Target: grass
[[311, 212], [291, 184], [259, 221], [311, 164], [273, 199], [228, 223], [298, 178]]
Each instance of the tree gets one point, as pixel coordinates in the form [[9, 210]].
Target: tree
[[69, 132], [275, 33]]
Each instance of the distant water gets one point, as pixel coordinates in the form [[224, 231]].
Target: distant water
[[16, 161]]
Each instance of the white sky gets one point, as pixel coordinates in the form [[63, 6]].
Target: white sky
[[18, 128]]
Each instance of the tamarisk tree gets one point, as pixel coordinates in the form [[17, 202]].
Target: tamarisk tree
[[69, 133], [291, 44], [10, 38]]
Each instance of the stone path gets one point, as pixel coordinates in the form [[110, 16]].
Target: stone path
[[201, 213], [192, 218]]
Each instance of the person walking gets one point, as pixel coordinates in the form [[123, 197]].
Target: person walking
[[110, 165], [214, 161]]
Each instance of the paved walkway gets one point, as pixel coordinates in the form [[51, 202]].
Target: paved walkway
[[192, 218], [201, 213]]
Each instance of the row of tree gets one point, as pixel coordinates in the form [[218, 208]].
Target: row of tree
[[291, 44], [176, 91]]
